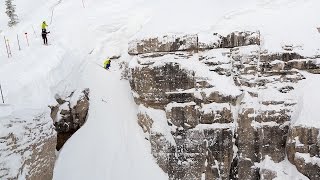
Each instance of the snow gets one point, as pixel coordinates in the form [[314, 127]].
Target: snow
[[111, 142], [15, 163], [202, 127], [160, 123], [256, 124], [175, 104], [208, 40], [211, 16], [224, 85], [217, 56], [297, 142], [277, 62], [308, 159], [307, 112], [213, 107], [283, 169], [5, 110], [77, 95], [19, 131]]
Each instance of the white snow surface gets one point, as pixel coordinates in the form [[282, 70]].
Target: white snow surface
[[307, 110], [283, 169], [308, 159], [111, 145]]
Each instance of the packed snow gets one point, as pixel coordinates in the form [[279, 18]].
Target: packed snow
[[111, 145], [283, 170], [307, 110]]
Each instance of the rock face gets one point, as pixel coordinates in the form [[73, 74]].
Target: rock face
[[27, 146], [70, 114], [303, 149], [219, 108], [191, 42]]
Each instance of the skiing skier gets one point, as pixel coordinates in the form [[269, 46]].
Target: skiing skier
[[107, 63], [44, 36], [44, 25]]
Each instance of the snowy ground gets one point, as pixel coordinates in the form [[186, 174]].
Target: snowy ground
[[110, 145]]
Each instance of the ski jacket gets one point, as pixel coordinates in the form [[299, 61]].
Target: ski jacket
[[44, 25], [107, 62]]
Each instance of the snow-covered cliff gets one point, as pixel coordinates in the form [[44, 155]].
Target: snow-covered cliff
[[209, 80], [229, 109]]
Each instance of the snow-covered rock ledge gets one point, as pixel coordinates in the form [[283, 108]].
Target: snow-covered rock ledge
[[28, 141], [27, 145], [192, 42]]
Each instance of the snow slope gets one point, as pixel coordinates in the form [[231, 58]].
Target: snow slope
[[113, 144], [307, 111], [110, 145]]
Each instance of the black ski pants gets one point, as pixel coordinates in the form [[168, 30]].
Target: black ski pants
[[45, 40]]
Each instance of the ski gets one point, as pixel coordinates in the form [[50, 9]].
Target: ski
[[102, 67]]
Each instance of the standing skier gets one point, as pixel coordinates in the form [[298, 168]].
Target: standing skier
[[44, 36], [107, 63]]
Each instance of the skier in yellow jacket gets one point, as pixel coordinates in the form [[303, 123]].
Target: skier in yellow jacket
[[107, 63]]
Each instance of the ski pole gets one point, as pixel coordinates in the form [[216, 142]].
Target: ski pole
[[9, 48], [1, 94], [27, 38], [51, 16], [18, 42], [5, 41], [34, 31]]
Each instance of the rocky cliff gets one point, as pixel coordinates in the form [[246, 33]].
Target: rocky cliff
[[70, 114], [222, 107], [27, 145], [28, 140]]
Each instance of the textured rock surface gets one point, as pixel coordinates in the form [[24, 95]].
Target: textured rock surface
[[192, 42], [303, 149], [27, 147], [217, 109], [70, 114], [168, 43]]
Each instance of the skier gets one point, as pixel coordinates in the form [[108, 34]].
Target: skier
[[107, 63], [44, 25], [44, 36]]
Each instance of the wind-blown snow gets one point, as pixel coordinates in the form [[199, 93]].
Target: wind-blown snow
[[307, 110]]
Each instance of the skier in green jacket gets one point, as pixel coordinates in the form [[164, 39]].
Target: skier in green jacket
[[107, 63]]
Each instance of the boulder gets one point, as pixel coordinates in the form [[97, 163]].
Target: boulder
[[70, 115]]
